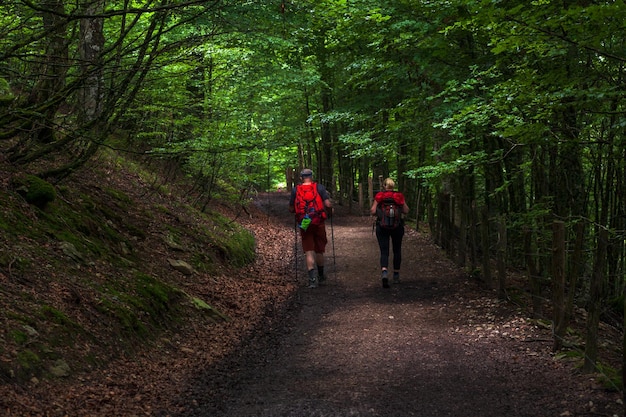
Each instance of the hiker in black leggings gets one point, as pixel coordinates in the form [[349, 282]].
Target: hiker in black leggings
[[383, 235]]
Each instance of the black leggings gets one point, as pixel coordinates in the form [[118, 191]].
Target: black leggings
[[383, 236]]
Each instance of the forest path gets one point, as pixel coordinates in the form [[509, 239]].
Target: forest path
[[434, 345]]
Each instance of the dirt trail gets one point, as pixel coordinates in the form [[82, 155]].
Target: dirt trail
[[434, 345]]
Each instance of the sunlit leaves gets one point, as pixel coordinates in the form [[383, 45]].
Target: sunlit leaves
[[432, 174]]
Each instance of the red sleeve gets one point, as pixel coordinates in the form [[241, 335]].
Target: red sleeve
[[399, 197]]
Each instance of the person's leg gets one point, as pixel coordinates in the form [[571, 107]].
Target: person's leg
[[310, 264], [396, 241], [319, 261], [310, 259], [383, 244], [308, 246], [320, 248]]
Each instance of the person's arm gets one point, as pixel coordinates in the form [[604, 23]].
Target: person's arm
[[373, 209], [405, 208], [328, 204], [375, 204]]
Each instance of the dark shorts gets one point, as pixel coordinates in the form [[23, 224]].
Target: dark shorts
[[314, 238]]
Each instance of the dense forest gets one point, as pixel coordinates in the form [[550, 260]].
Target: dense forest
[[503, 122]]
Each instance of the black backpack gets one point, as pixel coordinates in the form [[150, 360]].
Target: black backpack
[[389, 214]]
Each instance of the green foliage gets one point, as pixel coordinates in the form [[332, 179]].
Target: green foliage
[[6, 96], [610, 377], [431, 174]]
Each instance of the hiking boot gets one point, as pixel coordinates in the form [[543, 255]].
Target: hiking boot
[[385, 279], [312, 278], [396, 278], [321, 276]]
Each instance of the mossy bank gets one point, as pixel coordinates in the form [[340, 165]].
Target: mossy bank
[[86, 269]]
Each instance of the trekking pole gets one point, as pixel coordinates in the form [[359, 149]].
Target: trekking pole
[[295, 245], [332, 238]]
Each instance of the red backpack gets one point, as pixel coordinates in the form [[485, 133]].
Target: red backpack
[[309, 201], [389, 212]]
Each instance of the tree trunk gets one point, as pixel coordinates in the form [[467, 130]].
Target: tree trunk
[[575, 270], [595, 302], [443, 222], [91, 46], [325, 156], [48, 91], [474, 236], [536, 290], [462, 246], [558, 284], [485, 247], [501, 257]]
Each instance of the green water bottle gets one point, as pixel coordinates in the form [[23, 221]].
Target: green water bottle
[[306, 221]]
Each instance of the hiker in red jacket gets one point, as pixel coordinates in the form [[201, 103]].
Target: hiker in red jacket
[[311, 204], [389, 207]]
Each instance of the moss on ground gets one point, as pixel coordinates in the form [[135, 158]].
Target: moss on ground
[[235, 244], [30, 364], [141, 305], [35, 190]]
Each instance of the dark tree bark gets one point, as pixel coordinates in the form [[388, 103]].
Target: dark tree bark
[[501, 257], [558, 284], [536, 289], [48, 93], [595, 301]]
